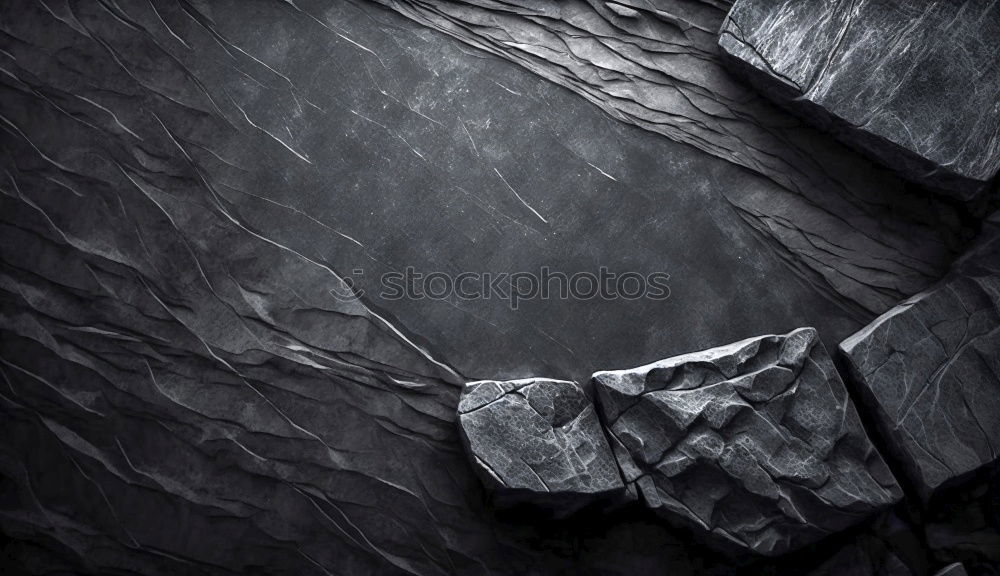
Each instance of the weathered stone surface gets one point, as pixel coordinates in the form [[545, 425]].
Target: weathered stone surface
[[913, 83], [930, 370], [756, 442], [537, 440]]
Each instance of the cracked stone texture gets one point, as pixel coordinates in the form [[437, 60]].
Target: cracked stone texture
[[930, 371], [756, 442], [539, 441], [850, 228], [914, 84]]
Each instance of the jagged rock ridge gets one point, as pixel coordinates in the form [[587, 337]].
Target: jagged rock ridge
[[756, 442]]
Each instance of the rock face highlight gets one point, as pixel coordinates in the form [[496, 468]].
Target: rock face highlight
[[756, 442], [537, 441], [913, 84], [955, 569], [930, 369]]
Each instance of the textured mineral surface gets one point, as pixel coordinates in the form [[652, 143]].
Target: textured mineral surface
[[930, 371], [537, 440], [915, 84], [756, 442]]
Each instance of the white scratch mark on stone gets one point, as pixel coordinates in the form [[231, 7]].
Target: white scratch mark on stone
[[514, 92], [528, 206], [602, 171]]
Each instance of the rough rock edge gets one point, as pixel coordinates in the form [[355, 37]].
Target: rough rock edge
[[801, 344]]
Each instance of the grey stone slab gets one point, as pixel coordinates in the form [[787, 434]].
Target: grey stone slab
[[537, 441], [756, 442], [914, 84], [929, 370]]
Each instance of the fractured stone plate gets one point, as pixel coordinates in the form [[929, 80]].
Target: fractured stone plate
[[914, 84], [756, 442], [930, 370], [537, 441]]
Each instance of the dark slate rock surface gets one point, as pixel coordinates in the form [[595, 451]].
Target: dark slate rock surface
[[538, 441], [756, 442], [391, 179], [183, 189], [851, 229], [185, 186], [914, 84], [930, 371]]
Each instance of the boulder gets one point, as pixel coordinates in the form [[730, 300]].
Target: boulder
[[756, 442]]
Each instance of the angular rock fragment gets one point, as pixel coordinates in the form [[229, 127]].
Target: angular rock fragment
[[930, 370], [912, 83], [756, 442], [537, 441]]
